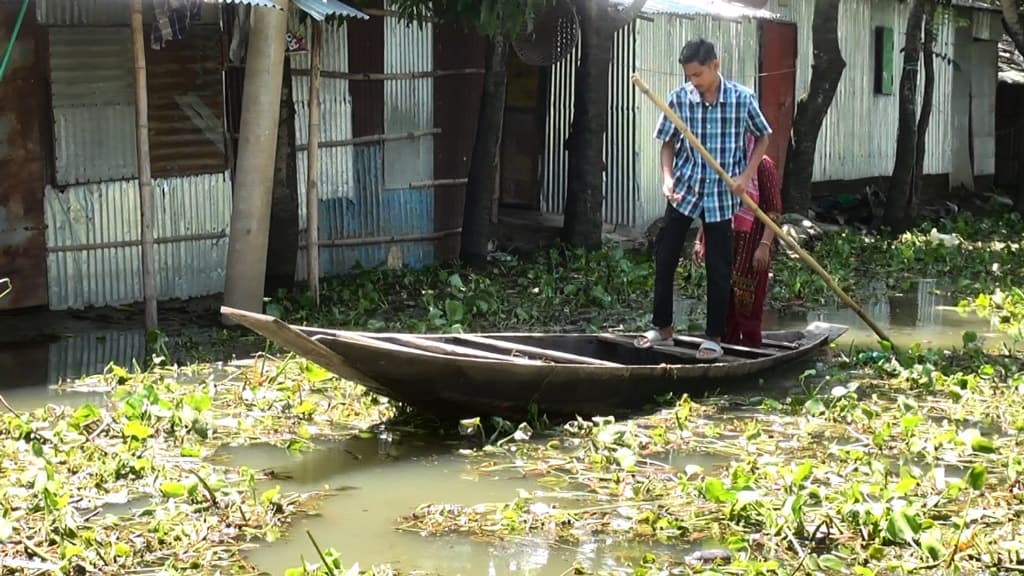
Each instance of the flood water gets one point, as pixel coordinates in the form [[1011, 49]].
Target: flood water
[[375, 480]]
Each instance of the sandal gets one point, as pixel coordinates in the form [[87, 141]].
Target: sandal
[[652, 338], [711, 346]]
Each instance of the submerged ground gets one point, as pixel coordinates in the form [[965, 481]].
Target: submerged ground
[[874, 461]]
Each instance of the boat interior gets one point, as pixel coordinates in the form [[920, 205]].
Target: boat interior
[[577, 349]]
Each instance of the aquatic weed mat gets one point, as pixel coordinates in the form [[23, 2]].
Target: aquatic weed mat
[[126, 487], [886, 465]]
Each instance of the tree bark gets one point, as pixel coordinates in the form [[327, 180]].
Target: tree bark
[[901, 184], [584, 196], [483, 169], [283, 247], [826, 72], [1015, 30], [585, 186], [1012, 23], [253, 186], [928, 56]]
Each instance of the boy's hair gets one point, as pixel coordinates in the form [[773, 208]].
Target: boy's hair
[[700, 51]]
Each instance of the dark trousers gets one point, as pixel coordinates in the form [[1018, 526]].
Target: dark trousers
[[668, 247]]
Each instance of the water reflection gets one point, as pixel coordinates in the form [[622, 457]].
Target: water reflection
[[923, 315], [377, 489]]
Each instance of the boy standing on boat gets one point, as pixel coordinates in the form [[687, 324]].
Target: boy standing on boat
[[720, 113]]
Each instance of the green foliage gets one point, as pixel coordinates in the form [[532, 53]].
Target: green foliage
[[568, 289], [884, 464]]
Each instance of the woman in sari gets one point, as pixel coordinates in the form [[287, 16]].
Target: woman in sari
[[752, 254]]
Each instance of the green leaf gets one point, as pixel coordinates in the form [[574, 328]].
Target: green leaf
[[902, 527], [715, 491], [976, 476], [37, 449], [191, 452], [274, 309], [85, 414], [814, 407], [931, 543], [831, 562], [6, 529], [969, 337], [172, 489], [122, 550], [453, 310], [315, 373], [200, 402], [982, 445], [270, 495], [136, 429]]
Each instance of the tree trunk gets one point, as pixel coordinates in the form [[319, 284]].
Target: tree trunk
[[253, 186], [283, 248], [1015, 30], [1012, 23], [928, 56], [1018, 146], [826, 72], [585, 187], [483, 169], [901, 185]]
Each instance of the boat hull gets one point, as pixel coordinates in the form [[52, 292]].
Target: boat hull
[[619, 378]]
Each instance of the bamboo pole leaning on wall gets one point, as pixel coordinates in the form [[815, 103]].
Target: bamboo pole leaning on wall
[[144, 171], [313, 166]]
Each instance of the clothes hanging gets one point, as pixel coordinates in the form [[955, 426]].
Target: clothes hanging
[[171, 20]]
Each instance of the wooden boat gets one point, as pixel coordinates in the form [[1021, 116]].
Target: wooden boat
[[512, 375]]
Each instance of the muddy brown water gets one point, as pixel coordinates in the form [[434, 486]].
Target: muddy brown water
[[374, 480]]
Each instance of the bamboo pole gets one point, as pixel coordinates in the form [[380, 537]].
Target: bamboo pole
[[145, 175], [312, 167], [750, 204]]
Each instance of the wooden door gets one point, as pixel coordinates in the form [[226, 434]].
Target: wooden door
[[22, 107], [777, 85]]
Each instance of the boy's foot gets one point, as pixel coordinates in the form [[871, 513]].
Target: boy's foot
[[653, 338], [709, 350]]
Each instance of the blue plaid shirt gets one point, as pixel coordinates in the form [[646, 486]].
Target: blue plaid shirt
[[721, 127]]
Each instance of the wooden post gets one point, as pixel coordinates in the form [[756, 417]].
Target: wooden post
[[312, 166], [249, 236], [145, 176]]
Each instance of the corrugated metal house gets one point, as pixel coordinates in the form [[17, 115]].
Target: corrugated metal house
[[398, 118], [398, 102], [770, 51]]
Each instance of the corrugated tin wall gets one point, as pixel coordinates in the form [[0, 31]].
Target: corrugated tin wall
[[93, 104], [620, 157], [408, 163], [93, 233], [555, 165], [371, 193], [92, 212], [335, 178], [845, 151], [657, 62], [186, 104], [984, 66]]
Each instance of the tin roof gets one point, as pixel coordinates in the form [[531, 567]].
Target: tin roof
[[321, 9], [318, 9], [715, 8]]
